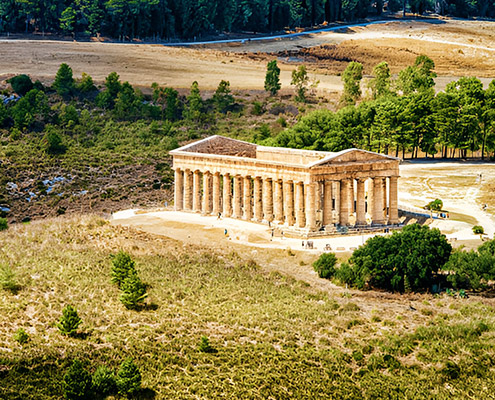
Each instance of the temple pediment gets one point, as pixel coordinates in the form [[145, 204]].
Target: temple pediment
[[352, 156]]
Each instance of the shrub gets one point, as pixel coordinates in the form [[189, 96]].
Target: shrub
[[86, 85], [406, 259], [133, 292], [478, 230], [3, 224], [7, 279], [258, 108], [128, 378], [435, 205], [325, 265], [205, 346], [21, 84], [21, 336], [122, 266], [53, 143], [77, 382], [69, 322], [64, 81], [103, 381]]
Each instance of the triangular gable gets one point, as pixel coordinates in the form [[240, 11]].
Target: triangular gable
[[352, 155]]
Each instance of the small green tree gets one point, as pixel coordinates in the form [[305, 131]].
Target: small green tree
[[272, 78], [352, 79], [325, 265], [69, 322], [64, 81], [478, 230], [8, 280], [380, 84], [300, 80], [122, 266], [133, 292], [205, 346], [104, 382], [4, 225], [21, 84], [435, 205], [106, 99], [53, 143], [194, 110], [128, 378], [86, 84], [222, 98], [77, 382]]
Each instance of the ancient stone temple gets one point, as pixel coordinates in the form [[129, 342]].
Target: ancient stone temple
[[301, 190]]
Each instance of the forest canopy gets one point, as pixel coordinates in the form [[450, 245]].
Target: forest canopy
[[189, 19]]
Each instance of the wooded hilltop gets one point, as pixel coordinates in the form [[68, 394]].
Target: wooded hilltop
[[189, 19]]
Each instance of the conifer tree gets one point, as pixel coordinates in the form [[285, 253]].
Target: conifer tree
[[272, 78]]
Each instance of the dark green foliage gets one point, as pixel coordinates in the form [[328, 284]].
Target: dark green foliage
[[168, 99], [472, 269], [64, 81], [205, 346], [31, 108], [195, 106], [415, 253], [104, 381], [69, 322], [106, 99], [133, 292], [325, 265], [53, 143], [3, 224], [352, 79], [451, 370], [272, 78], [419, 77], [478, 230], [21, 336], [435, 205], [128, 378], [223, 99], [8, 280], [21, 84], [122, 266], [86, 84], [77, 382]]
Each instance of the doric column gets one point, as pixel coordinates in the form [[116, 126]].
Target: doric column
[[336, 199], [216, 193], [393, 200], [237, 203], [227, 195], [384, 190], [267, 200], [278, 202], [352, 203], [179, 189], [369, 201], [289, 203], [344, 202], [197, 191], [360, 203], [206, 193], [310, 190], [300, 217], [377, 217], [247, 207], [258, 202], [327, 203], [188, 188]]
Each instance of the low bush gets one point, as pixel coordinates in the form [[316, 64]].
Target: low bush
[[8, 280], [103, 381], [128, 378], [77, 382], [122, 266], [325, 265], [3, 224], [205, 346], [69, 322]]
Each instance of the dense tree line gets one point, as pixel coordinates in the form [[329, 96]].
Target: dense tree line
[[168, 19], [402, 116]]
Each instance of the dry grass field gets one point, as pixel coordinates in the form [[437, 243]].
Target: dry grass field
[[459, 48]]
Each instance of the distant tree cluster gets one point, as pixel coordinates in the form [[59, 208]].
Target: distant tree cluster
[[402, 115], [168, 19]]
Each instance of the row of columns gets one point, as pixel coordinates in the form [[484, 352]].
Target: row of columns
[[304, 205]]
